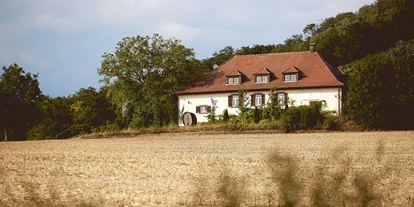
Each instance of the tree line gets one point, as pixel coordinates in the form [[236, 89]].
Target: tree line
[[374, 46]]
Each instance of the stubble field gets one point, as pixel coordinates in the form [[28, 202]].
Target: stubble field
[[316, 169]]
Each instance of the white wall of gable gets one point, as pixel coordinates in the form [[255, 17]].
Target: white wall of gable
[[297, 96]]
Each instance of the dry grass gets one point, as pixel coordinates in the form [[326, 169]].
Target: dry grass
[[327, 169]]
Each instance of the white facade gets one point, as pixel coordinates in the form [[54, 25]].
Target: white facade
[[332, 97]]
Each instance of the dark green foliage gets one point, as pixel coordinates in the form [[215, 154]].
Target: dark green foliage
[[293, 44], [219, 58], [272, 110], [142, 74], [65, 117], [331, 122], [55, 119], [19, 94], [381, 89], [302, 117], [373, 29], [256, 49], [242, 105], [257, 115], [226, 117]]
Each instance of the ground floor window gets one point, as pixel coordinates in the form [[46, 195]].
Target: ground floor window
[[257, 99], [282, 98], [233, 100], [203, 109]]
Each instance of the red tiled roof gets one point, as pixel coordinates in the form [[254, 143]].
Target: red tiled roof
[[233, 73], [315, 73], [291, 69], [263, 71]]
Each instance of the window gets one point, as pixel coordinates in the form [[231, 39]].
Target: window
[[203, 109], [262, 79], [257, 99], [282, 98], [233, 100], [290, 77], [233, 80]]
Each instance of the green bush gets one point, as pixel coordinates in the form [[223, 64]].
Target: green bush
[[302, 117], [331, 122]]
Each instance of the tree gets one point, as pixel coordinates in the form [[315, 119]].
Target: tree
[[293, 44], [212, 111], [55, 120], [381, 89], [256, 49], [272, 110], [243, 104], [310, 29], [19, 94], [142, 74], [219, 58]]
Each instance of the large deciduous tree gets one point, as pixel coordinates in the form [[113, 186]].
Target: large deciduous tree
[[142, 74], [19, 94]]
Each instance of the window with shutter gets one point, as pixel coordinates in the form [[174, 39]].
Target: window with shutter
[[234, 101], [282, 98], [203, 109], [258, 99]]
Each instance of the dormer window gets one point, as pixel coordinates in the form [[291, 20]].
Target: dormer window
[[262, 76], [292, 74], [291, 77], [262, 79], [234, 80]]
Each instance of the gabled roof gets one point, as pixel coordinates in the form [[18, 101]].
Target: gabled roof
[[317, 73], [263, 71], [291, 69], [233, 73]]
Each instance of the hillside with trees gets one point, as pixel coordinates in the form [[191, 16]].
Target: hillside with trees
[[374, 46]]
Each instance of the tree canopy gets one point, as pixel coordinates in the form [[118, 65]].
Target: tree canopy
[[381, 89], [19, 94], [142, 74]]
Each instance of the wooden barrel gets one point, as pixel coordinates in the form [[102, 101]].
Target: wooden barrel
[[189, 119]]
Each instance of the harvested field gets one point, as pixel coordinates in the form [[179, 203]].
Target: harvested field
[[316, 169]]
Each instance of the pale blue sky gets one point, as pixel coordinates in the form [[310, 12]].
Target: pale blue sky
[[63, 40]]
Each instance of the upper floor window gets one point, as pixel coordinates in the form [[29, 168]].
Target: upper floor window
[[262, 79], [234, 80], [291, 77]]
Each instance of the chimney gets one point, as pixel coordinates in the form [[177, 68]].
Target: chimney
[[312, 47]]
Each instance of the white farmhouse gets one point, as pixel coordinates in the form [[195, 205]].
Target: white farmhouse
[[303, 78]]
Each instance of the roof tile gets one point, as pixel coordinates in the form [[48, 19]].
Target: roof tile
[[263, 71], [316, 73]]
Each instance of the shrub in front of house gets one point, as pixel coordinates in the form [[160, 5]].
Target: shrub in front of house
[[302, 117]]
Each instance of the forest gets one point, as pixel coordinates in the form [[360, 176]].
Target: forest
[[374, 46]]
